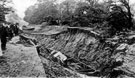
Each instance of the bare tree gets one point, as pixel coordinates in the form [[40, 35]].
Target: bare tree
[[126, 4]]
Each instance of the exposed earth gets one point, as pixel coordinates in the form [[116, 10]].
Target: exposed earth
[[22, 60]]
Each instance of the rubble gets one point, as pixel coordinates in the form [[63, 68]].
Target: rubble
[[85, 52]]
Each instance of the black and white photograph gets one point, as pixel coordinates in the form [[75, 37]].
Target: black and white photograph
[[67, 38]]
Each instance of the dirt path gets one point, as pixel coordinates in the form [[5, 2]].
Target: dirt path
[[20, 61]]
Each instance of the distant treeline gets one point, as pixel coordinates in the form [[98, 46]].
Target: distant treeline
[[105, 15]]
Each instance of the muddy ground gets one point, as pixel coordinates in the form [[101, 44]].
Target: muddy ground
[[20, 61]]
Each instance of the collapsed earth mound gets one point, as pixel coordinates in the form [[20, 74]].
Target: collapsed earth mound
[[74, 51]]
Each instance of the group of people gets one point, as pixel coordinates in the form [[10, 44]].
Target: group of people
[[7, 31]]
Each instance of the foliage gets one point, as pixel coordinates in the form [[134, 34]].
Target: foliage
[[106, 16], [120, 17], [86, 15], [66, 11], [4, 9], [37, 13]]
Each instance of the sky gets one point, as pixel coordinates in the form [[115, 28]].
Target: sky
[[22, 5]]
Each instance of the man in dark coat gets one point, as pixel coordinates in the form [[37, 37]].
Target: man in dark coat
[[10, 32], [12, 27], [16, 29], [3, 37]]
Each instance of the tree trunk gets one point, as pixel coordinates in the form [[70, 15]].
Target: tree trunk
[[130, 17]]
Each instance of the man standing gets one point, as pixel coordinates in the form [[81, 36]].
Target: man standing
[[3, 37], [16, 29]]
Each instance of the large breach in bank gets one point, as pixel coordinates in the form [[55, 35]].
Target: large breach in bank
[[80, 50]]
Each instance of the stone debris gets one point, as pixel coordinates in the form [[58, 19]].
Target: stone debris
[[82, 49], [122, 46], [59, 55]]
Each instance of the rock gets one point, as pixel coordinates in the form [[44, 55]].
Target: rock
[[59, 55], [23, 61], [122, 46], [132, 36], [15, 39]]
